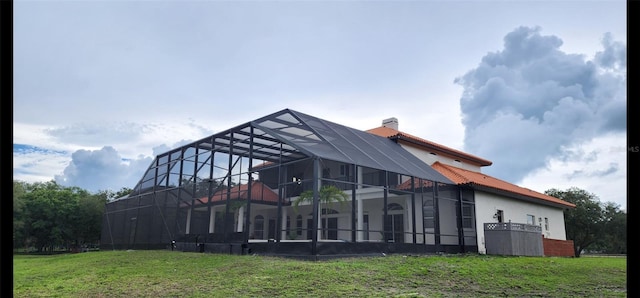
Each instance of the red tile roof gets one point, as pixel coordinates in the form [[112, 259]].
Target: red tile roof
[[462, 176], [259, 193], [406, 138], [407, 184]]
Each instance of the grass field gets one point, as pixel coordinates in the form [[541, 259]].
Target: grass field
[[182, 274]]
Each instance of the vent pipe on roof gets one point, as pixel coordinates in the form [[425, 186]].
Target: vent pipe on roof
[[390, 123]]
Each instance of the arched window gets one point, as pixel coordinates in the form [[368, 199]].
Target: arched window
[[394, 206]]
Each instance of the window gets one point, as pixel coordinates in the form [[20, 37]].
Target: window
[[499, 216], [299, 224], [546, 224], [344, 170], [394, 206], [467, 216], [428, 213], [531, 219], [288, 225], [258, 232], [365, 226], [394, 223]]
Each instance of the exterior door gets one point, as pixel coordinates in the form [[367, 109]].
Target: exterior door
[[309, 228], [272, 228], [330, 228], [394, 225]]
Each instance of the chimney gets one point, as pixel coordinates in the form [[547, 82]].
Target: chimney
[[390, 123]]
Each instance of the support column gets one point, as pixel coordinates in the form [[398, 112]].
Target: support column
[[315, 212], [319, 223], [409, 220], [316, 197], [240, 227], [359, 179], [188, 224], [212, 220], [283, 227], [354, 206], [360, 218]]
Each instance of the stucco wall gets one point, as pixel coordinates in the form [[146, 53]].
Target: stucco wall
[[429, 159], [516, 211], [372, 205]]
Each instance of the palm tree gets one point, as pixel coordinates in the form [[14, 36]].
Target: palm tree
[[327, 194]]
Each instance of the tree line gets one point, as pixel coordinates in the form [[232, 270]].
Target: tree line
[[593, 226], [47, 215]]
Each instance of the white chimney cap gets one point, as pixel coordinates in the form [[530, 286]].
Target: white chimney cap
[[390, 123]]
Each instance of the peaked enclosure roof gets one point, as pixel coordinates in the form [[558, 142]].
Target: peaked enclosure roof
[[288, 135], [337, 142]]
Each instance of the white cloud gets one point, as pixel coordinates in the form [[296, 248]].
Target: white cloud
[[102, 169], [598, 166], [74, 155], [523, 104]]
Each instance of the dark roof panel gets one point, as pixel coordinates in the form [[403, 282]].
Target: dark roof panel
[[365, 149]]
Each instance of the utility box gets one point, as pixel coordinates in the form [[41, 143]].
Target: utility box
[[513, 239]]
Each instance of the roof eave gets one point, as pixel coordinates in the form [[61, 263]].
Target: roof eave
[[473, 159], [565, 205]]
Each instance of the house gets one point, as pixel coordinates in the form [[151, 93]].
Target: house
[[292, 184], [495, 200]]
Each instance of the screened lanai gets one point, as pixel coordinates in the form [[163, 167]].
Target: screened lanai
[[292, 184]]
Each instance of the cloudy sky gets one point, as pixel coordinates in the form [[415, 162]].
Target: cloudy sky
[[537, 87]]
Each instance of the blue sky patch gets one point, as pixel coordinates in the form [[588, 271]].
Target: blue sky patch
[[26, 149]]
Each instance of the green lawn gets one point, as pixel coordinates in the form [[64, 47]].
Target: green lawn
[[181, 274]]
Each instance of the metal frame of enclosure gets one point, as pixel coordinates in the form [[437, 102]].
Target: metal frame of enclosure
[[241, 191]]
